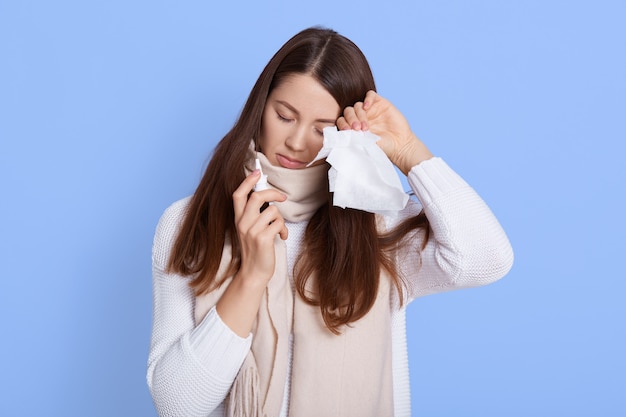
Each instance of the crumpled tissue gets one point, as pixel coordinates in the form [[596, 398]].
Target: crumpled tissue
[[361, 176]]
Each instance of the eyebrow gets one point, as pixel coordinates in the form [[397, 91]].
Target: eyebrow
[[293, 109]]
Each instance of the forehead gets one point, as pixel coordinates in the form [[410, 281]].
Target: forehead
[[305, 94]]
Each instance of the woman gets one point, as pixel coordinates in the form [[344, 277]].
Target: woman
[[298, 307]]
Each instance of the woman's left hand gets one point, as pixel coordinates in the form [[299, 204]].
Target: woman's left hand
[[382, 118]]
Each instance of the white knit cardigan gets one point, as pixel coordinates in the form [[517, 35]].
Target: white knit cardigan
[[191, 368]]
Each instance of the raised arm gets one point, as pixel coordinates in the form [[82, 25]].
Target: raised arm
[[467, 246]]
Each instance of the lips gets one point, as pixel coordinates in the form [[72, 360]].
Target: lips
[[290, 163]]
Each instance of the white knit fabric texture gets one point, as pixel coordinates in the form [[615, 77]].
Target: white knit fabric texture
[[294, 242], [191, 368]]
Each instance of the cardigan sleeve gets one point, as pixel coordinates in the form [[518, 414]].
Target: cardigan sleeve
[[190, 368], [466, 246]]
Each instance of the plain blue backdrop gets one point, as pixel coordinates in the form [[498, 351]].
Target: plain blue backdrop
[[110, 109]]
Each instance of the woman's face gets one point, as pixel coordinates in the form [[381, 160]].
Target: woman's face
[[295, 114]]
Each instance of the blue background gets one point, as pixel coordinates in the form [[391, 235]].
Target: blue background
[[109, 110]]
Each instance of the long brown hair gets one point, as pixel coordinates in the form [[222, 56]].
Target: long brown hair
[[343, 248]]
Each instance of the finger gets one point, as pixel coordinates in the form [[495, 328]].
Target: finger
[[370, 97], [349, 113], [361, 115], [284, 233], [259, 200], [240, 195], [342, 124], [277, 226], [268, 224]]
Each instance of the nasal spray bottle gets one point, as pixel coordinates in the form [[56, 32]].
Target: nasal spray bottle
[[261, 184]]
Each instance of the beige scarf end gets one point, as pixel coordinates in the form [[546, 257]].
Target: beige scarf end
[[244, 396]]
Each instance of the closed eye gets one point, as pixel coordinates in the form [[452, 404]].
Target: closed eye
[[319, 128], [283, 118]]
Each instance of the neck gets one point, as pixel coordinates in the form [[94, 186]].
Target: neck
[[306, 189]]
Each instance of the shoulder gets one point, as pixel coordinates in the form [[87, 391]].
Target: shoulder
[[167, 230]]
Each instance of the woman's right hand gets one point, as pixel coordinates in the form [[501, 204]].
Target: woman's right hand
[[239, 305], [257, 229]]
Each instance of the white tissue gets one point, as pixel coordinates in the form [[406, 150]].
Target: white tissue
[[361, 176]]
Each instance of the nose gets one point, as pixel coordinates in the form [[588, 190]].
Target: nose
[[297, 139]]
